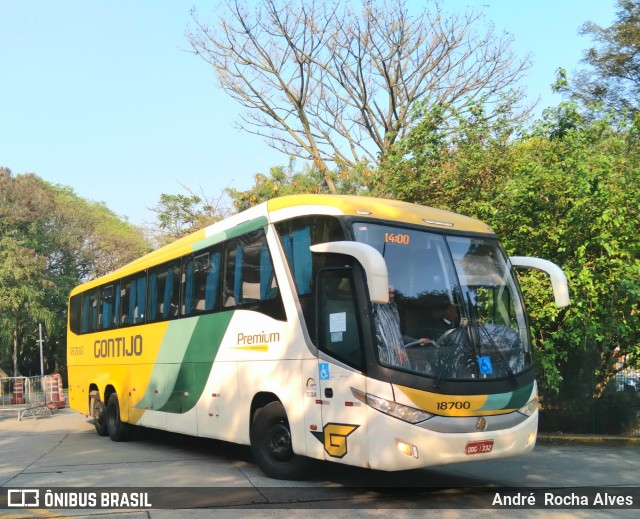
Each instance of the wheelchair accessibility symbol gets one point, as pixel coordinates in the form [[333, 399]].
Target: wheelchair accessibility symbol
[[485, 366], [324, 371]]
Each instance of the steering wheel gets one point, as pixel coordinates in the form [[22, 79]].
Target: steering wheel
[[441, 342]]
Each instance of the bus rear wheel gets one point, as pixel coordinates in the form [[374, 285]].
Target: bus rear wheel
[[272, 446], [117, 429], [99, 417]]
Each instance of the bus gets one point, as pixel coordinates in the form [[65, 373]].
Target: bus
[[368, 332]]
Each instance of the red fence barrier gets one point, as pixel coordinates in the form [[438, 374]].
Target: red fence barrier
[[17, 391], [27, 391]]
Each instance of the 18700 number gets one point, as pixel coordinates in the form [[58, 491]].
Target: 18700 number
[[447, 406]]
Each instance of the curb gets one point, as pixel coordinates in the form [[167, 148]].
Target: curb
[[588, 439]]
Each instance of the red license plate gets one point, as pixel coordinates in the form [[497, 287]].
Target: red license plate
[[480, 447]]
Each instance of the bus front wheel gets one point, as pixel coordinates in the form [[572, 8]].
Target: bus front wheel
[[271, 444], [117, 429]]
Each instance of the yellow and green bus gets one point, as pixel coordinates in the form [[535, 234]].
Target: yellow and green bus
[[363, 331]]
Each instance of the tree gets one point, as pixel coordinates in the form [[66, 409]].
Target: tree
[[282, 181], [327, 83], [572, 197], [179, 215], [22, 286], [85, 239], [451, 159], [566, 191], [613, 76], [23, 275], [51, 240]]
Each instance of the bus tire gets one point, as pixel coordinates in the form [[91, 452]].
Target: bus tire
[[117, 429], [271, 444], [99, 417]]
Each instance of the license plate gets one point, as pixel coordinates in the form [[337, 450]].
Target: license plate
[[480, 447]]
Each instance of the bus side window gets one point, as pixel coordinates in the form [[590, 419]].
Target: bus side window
[[90, 311], [75, 314], [109, 301], [164, 292], [296, 235], [187, 287], [234, 294], [296, 248], [133, 297], [202, 283], [338, 325], [212, 282], [249, 278]]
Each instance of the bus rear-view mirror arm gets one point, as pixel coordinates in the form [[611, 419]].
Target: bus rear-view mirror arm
[[370, 259], [558, 279]]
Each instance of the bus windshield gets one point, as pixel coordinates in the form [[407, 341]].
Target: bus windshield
[[455, 312]]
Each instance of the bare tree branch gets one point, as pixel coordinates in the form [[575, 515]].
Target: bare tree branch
[[338, 82]]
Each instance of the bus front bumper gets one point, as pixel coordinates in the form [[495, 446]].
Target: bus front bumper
[[396, 445]]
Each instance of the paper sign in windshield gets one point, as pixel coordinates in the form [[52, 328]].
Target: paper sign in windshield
[[338, 322]]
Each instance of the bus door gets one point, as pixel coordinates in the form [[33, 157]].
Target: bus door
[[340, 368]]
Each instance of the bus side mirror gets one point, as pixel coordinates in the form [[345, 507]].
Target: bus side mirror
[[558, 279], [371, 260]]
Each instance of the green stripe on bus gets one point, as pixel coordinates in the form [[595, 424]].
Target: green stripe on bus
[[238, 230], [193, 374], [520, 397], [496, 402], [167, 364], [514, 400]]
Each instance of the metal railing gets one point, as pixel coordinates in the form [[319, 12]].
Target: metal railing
[[31, 394], [627, 380]]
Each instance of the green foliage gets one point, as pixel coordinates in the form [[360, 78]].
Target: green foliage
[[50, 240], [283, 181], [567, 191], [179, 215], [22, 292], [452, 160], [85, 239], [574, 197], [613, 75]]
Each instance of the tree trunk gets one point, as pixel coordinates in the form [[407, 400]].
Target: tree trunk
[[320, 164]]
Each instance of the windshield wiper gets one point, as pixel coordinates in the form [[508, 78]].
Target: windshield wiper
[[478, 325], [457, 342]]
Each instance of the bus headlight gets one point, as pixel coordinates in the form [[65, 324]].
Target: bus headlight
[[529, 408], [402, 412]]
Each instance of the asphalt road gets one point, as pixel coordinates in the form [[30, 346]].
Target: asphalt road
[[63, 450]]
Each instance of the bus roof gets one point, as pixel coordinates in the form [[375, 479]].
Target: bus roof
[[290, 206], [381, 208]]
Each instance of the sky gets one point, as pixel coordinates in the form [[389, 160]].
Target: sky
[[106, 98]]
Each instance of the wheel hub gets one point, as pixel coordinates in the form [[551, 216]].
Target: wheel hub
[[279, 443]]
